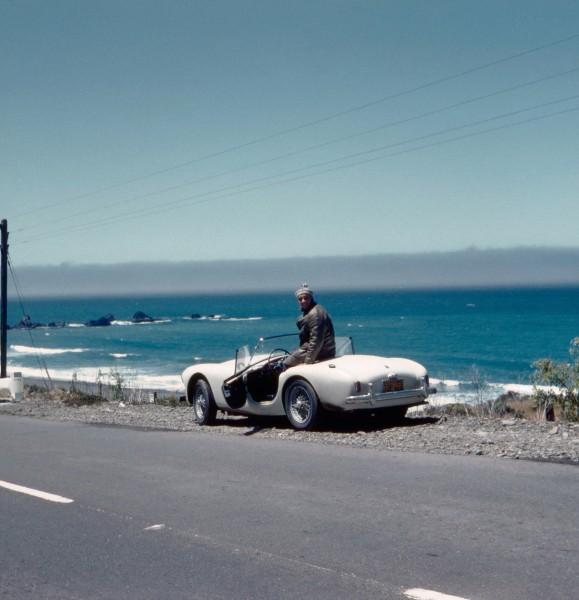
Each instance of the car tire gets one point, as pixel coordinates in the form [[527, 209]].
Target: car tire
[[204, 408], [301, 404]]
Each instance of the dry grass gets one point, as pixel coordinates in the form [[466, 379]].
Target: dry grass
[[508, 405], [89, 394], [78, 398]]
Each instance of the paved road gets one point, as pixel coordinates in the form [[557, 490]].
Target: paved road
[[240, 517]]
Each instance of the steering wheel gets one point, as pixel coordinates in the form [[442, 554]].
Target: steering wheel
[[274, 359]]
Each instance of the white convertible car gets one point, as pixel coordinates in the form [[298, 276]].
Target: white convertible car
[[255, 382]]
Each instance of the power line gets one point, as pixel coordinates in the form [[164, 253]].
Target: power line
[[308, 124], [41, 362], [369, 160], [232, 192], [303, 150], [186, 200]]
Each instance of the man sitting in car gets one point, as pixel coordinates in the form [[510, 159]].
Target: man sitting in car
[[316, 331]]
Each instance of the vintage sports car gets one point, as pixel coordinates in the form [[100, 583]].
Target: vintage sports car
[[256, 382]]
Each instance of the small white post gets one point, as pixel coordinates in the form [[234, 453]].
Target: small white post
[[16, 386]]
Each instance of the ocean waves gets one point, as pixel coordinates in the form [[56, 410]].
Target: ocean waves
[[496, 341], [455, 392], [20, 350], [220, 318], [451, 391], [107, 376], [163, 321], [119, 323], [138, 324]]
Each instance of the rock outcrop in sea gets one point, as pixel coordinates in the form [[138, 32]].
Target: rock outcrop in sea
[[27, 323], [104, 321], [141, 317]]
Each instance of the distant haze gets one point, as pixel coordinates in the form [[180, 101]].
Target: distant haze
[[466, 268]]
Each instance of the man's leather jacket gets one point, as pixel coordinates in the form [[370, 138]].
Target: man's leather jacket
[[316, 336]]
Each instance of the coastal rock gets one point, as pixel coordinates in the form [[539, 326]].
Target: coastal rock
[[141, 317], [195, 316], [27, 323], [104, 321]]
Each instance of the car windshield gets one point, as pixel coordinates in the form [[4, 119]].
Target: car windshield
[[242, 358], [344, 345], [277, 345]]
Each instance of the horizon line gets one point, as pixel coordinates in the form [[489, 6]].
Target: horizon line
[[474, 249]]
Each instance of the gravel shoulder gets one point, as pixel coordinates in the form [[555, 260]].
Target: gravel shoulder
[[439, 433]]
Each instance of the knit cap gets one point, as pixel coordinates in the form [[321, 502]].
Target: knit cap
[[304, 289]]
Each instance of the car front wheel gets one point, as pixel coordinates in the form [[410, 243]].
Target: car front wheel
[[204, 408], [301, 404]]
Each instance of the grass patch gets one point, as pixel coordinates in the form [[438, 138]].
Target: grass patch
[[78, 398], [508, 405]]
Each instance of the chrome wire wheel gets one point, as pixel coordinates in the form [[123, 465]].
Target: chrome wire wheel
[[204, 409], [201, 404], [301, 404]]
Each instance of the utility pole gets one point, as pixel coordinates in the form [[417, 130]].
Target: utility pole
[[4, 296]]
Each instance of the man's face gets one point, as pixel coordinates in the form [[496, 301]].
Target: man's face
[[305, 301]]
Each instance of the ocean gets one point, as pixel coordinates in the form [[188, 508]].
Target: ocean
[[463, 337]]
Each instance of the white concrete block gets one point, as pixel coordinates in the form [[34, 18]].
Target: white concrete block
[[15, 384]]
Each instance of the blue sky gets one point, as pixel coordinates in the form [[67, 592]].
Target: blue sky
[[209, 130]]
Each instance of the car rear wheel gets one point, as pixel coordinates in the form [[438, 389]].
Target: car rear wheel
[[301, 404], [204, 408]]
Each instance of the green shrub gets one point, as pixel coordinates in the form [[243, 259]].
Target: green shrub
[[118, 386], [562, 381]]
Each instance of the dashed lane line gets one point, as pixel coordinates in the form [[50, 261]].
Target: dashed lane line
[[413, 593], [420, 594], [36, 493]]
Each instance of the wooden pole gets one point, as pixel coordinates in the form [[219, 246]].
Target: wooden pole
[[4, 296]]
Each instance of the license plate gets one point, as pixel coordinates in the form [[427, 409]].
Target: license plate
[[392, 385]]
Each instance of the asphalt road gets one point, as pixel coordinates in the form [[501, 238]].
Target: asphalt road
[[195, 515]]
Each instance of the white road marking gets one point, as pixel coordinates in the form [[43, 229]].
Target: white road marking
[[420, 594], [36, 493], [155, 527]]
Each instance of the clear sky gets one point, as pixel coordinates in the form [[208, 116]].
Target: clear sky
[[204, 130]]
